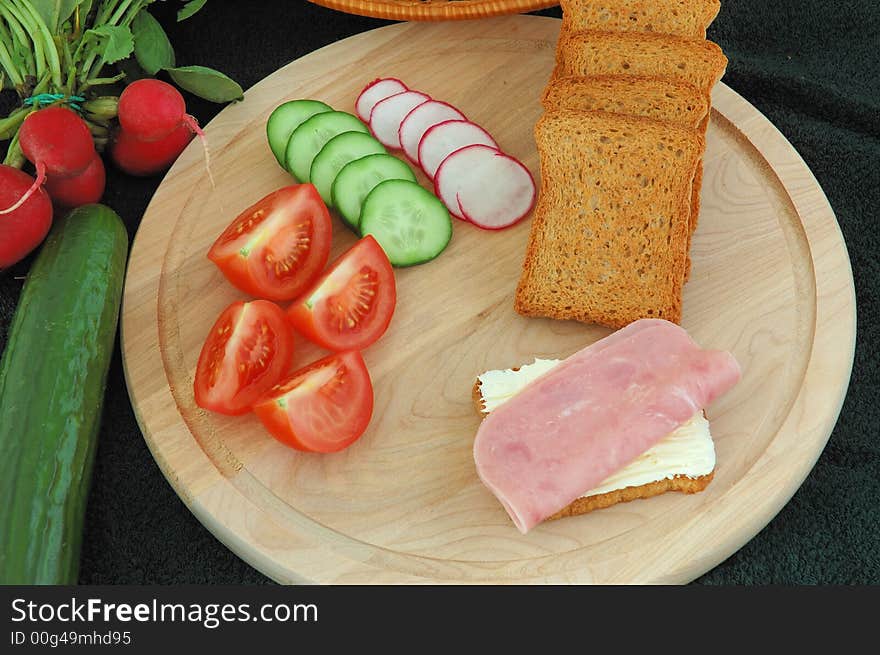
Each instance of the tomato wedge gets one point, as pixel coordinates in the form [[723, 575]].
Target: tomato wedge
[[246, 353], [275, 248], [351, 305], [323, 407]]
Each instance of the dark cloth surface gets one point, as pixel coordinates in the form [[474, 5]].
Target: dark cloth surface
[[812, 67]]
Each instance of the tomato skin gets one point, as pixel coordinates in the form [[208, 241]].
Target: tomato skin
[[323, 407], [276, 247], [247, 351], [360, 278]]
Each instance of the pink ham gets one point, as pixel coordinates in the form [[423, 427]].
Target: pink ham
[[591, 415]]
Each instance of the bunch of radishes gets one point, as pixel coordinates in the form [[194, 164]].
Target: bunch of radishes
[[472, 176], [154, 128], [67, 61]]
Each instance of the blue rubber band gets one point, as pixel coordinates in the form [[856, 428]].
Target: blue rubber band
[[42, 99]]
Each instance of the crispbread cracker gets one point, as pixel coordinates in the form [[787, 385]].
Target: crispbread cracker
[[661, 98], [608, 241], [587, 504], [700, 62], [679, 17]]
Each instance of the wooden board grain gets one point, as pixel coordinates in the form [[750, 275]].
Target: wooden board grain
[[771, 282]]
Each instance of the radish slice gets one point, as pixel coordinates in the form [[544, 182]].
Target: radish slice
[[443, 139], [419, 120], [374, 92], [486, 187], [388, 114]]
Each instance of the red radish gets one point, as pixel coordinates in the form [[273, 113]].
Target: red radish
[[419, 120], [150, 109], [483, 185], [76, 190], [56, 141], [143, 158], [23, 229], [388, 114], [57, 138], [443, 139], [374, 92]]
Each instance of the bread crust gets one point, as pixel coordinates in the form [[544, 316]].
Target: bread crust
[[680, 483]]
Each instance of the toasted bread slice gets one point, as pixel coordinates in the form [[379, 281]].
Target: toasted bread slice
[[679, 17], [608, 241], [700, 62], [661, 98], [585, 504]]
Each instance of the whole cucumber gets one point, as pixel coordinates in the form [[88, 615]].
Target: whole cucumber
[[52, 378]]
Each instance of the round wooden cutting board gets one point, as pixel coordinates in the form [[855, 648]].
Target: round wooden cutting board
[[771, 282]]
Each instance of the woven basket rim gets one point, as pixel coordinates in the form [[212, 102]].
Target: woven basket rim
[[434, 10]]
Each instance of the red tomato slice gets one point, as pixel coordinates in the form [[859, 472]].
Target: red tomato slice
[[276, 248], [351, 305], [247, 352], [323, 407]]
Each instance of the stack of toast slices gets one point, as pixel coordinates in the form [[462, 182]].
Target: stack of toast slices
[[621, 143]]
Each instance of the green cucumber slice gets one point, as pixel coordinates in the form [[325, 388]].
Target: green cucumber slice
[[356, 179], [308, 139], [410, 223], [336, 153], [285, 118]]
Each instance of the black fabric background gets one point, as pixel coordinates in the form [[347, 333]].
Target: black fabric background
[[811, 66]]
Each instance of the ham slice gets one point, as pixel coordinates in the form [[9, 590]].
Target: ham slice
[[595, 412]]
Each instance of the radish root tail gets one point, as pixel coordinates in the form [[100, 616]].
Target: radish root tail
[[41, 177], [193, 124]]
